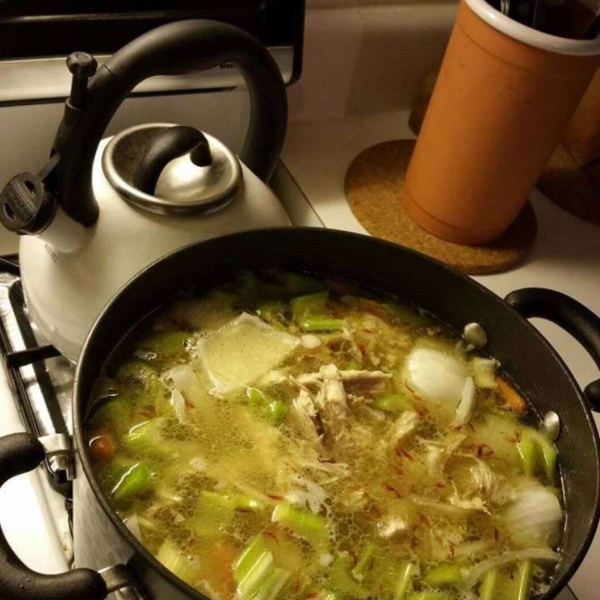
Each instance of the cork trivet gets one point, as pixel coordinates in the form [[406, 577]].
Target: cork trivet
[[373, 185], [573, 188]]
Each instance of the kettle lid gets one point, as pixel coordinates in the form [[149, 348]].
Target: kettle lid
[[169, 169]]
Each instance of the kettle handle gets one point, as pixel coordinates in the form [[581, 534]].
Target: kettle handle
[[171, 49]]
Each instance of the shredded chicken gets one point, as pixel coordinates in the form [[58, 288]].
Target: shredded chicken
[[477, 503], [404, 426], [392, 527]]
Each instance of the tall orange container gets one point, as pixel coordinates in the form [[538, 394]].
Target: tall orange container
[[503, 97]]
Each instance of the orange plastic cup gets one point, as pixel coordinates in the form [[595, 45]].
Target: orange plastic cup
[[504, 95]]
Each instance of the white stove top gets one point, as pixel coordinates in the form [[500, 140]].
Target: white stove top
[[348, 99]]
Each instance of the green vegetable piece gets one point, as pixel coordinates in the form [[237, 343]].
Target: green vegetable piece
[[146, 437], [256, 574], [537, 450], [487, 591], [249, 557], [277, 412], [525, 570], [317, 324], [393, 403], [165, 344], [406, 575], [297, 284], [365, 562], [114, 412], [430, 596], [444, 575], [273, 312], [214, 511], [274, 410], [136, 481], [304, 306], [137, 370], [178, 563], [311, 527], [353, 365], [341, 580]]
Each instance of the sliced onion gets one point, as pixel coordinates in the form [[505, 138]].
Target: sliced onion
[[472, 575], [534, 518], [466, 406], [178, 404], [436, 376]]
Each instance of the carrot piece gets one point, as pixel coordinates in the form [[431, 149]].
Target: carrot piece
[[508, 393], [102, 445]]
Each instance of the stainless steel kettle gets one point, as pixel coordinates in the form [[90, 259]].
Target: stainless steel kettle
[[101, 210]]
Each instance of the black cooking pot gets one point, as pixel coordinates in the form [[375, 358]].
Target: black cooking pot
[[110, 558]]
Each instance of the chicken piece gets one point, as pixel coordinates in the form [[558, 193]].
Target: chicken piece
[[404, 426], [367, 381], [333, 388], [306, 417], [477, 503], [390, 527]]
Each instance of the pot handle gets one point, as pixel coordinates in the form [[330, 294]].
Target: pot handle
[[20, 453], [568, 314]]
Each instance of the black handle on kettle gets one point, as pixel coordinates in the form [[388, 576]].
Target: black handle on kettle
[[172, 49], [568, 314], [20, 453]]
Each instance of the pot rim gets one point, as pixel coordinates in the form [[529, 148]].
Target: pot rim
[[557, 584]]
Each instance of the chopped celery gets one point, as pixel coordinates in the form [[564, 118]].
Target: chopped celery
[[365, 562], [256, 574], [137, 480], [213, 513], [316, 324], [274, 410], [313, 304], [277, 412], [297, 284], [150, 390], [393, 402], [341, 580], [249, 557], [483, 370], [525, 570], [177, 562], [114, 411], [165, 344], [405, 577], [444, 575], [272, 312], [137, 370], [537, 451], [430, 596], [353, 365], [307, 525], [487, 591], [146, 437]]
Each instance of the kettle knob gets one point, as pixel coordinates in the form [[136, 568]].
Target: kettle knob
[[82, 66], [166, 145]]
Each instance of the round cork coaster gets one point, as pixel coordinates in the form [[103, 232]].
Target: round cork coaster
[[373, 186]]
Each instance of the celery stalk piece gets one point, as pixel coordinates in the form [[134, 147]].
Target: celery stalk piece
[[525, 570], [430, 596], [393, 402], [444, 575], [537, 450], [365, 562], [311, 527], [487, 591], [153, 391], [341, 580], [297, 284], [273, 585], [136, 481], [177, 562], [277, 412], [146, 437], [303, 306], [257, 575], [405, 577], [272, 312], [528, 451], [165, 344], [214, 511], [318, 323], [257, 547]]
